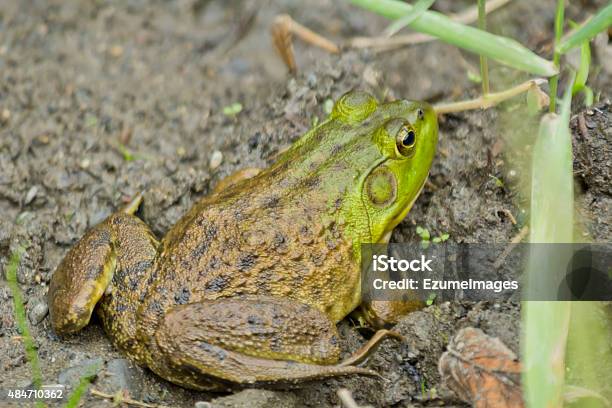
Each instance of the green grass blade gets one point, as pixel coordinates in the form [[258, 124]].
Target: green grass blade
[[583, 71], [598, 23], [20, 317], [418, 9], [84, 382], [546, 323], [501, 49]]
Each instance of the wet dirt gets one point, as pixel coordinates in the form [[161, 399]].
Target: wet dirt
[[101, 100]]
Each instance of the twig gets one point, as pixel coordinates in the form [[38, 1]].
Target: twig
[[282, 29], [346, 397], [306, 34], [584, 132], [312, 38], [468, 16], [119, 399], [281, 38], [489, 100], [517, 238]]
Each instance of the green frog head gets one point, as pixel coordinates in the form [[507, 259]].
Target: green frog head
[[368, 161]]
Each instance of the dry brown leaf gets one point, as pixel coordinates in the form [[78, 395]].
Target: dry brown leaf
[[482, 371]]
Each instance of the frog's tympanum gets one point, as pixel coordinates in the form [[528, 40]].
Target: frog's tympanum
[[246, 289]]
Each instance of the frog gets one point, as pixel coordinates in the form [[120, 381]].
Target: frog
[[247, 288]]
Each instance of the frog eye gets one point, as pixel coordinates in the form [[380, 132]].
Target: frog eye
[[405, 139]]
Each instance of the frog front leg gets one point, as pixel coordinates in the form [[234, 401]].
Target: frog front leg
[[120, 245], [386, 313], [248, 341]]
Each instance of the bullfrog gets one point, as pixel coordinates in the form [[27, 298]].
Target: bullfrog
[[246, 289]]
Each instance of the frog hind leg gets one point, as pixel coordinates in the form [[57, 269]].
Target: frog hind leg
[[86, 272], [248, 341]]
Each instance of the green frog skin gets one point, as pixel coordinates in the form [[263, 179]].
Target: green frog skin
[[246, 289]]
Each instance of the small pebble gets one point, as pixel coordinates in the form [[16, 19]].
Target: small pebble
[[328, 106], [31, 195], [116, 51], [38, 311], [216, 159], [5, 115], [371, 76], [312, 80], [203, 404]]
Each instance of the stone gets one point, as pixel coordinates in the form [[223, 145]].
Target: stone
[[121, 374], [71, 376], [38, 311], [256, 398], [215, 159]]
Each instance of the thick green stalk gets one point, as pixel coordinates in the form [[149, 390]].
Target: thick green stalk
[[546, 322]]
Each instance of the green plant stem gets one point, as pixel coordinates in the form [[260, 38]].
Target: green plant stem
[[484, 65], [554, 80]]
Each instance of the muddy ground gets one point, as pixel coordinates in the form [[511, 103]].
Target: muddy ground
[[80, 78]]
